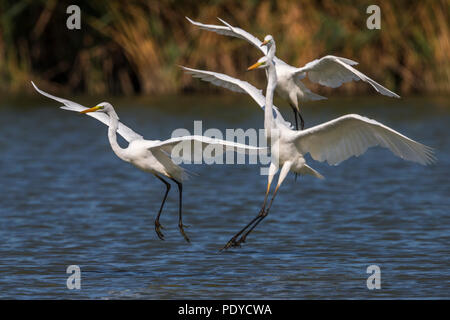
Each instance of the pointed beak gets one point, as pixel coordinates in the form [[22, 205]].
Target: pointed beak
[[91, 109], [264, 43], [254, 66]]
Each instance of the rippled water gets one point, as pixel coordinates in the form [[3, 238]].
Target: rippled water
[[67, 200]]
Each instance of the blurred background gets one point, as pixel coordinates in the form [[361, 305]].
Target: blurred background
[[134, 47], [320, 236]]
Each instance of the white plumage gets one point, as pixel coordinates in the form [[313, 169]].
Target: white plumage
[[153, 156], [330, 71], [333, 141], [351, 135]]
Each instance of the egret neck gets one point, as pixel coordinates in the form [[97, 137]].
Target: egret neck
[[271, 49], [112, 135], [268, 113]]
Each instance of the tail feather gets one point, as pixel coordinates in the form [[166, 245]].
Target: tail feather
[[314, 96], [187, 174], [312, 172]]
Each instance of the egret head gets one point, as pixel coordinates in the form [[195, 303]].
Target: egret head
[[268, 41], [261, 64], [101, 107]]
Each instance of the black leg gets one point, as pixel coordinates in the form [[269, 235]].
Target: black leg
[[295, 116], [296, 125], [302, 125], [261, 218], [302, 122], [232, 242], [180, 219], [158, 226], [298, 115]]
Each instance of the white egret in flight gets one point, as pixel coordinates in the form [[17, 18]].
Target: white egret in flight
[[330, 71], [333, 141], [153, 156]]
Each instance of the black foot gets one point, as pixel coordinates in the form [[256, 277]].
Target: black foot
[[241, 240], [158, 228], [182, 226], [231, 243], [237, 243]]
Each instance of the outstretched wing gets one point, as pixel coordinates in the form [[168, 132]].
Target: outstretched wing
[[178, 146], [351, 135], [236, 85], [227, 82], [123, 130], [333, 71], [229, 30]]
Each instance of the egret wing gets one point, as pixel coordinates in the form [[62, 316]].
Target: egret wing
[[228, 82], [123, 130], [236, 85], [194, 146], [332, 71], [230, 31], [351, 135]]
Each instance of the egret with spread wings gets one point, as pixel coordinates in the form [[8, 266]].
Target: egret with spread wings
[[153, 156], [333, 141], [330, 71]]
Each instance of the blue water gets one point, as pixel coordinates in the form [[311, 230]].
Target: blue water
[[67, 200]]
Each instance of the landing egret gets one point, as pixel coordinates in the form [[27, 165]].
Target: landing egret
[[333, 141], [330, 71], [152, 156]]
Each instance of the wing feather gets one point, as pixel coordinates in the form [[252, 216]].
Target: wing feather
[[351, 135], [236, 85], [332, 71], [123, 130], [231, 31], [195, 145]]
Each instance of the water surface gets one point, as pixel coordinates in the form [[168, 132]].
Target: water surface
[[66, 199]]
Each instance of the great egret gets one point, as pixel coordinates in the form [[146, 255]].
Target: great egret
[[333, 141], [152, 156], [330, 71]]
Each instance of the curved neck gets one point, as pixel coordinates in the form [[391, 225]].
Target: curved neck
[[271, 84], [112, 135], [272, 50]]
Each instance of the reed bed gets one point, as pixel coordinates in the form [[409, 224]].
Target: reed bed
[[135, 47]]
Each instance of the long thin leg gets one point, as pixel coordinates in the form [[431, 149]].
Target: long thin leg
[[158, 226], [294, 105], [180, 210], [295, 117], [261, 218], [284, 171], [232, 242], [302, 122], [297, 114]]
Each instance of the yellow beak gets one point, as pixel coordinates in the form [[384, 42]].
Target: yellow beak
[[91, 109], [254, 66], [264, 43]]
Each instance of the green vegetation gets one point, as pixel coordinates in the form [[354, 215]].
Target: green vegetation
[[134, 47]]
